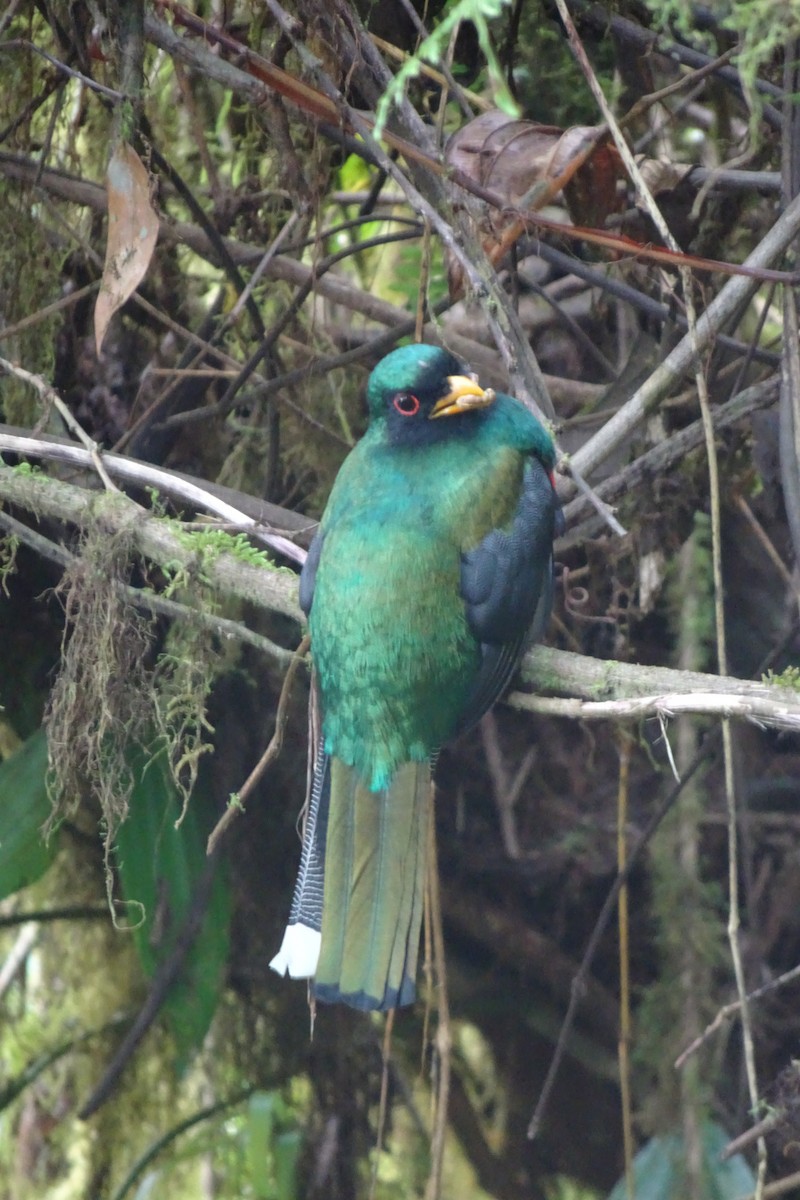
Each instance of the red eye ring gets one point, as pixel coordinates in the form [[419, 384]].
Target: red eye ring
[[406, 404]]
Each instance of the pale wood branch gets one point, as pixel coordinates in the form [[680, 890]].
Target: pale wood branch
[[669, 704], [144, 475], [564, 673], [736, 292]]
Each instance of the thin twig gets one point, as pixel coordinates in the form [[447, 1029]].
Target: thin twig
[[506, 790], [716, 552], [737, 1144], [8, 15], [86, 80], [443, 78], [578, 988], [766, 542], [779, 1188], [191, 373], [686, 81], [730, 1010], [15, 958], [727, 744], [49, 310], [601, 508], [386, 1053], [51, 397], [277, 242], [161, 1143], [645, 42], [272, 751]]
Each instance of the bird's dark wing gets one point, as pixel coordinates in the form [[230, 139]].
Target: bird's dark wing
[[507, 588], [308, 575]]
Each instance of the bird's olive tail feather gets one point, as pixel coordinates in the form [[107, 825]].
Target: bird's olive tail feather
[[375, 863]]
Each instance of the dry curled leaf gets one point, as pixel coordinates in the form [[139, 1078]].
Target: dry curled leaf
[[526, 165], [132, 234]]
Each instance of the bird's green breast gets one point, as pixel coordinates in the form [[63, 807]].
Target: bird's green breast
[[391, 645]]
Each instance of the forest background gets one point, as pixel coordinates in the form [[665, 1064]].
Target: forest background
[[215, 222]]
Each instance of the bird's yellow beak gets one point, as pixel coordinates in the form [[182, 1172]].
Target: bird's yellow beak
[[464, 394]]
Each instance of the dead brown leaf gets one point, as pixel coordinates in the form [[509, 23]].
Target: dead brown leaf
[[132, 235], [528, 165]]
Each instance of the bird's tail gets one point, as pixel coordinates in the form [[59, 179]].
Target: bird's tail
[[375, 864], [299, 950], [356, 913]]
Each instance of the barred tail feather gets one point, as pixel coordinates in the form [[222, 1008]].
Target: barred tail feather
[[375, 865], [299, 952]]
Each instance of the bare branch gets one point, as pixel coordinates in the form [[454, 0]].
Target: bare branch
[[736, 292], [780, 714], [51, 397], [144, 475]]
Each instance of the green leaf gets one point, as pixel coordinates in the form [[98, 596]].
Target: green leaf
[[287, 1153], [353, 174], [260, 1125], [503, 97], [433, 48], [271, 1155], [24, 808], [659, 1169], [162, 869]]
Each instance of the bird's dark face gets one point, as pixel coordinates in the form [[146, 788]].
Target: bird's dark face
[[414, 388]]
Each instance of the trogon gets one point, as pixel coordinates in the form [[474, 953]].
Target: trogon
[[431, 573]]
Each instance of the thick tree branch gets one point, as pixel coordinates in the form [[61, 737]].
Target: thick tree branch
[[563, 673], [611, 690], [160, 540]]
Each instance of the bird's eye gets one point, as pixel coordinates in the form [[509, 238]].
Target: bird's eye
[[406, 404]]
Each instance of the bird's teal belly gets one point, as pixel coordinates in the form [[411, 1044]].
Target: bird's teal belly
[[392, 650]]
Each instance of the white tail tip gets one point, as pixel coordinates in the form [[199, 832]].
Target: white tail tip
[[299, 952]]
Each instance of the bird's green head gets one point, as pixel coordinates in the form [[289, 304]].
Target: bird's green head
[[415, 386]]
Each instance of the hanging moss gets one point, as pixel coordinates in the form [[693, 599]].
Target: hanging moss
[[100, 700]]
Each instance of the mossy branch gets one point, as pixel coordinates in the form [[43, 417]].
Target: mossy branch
[[596, 688], [155, 538], [563, 673]]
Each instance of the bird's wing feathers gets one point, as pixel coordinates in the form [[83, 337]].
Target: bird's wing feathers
[[308, 575], [507, 588]]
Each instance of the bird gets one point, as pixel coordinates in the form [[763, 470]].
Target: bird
[[429, 576]]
